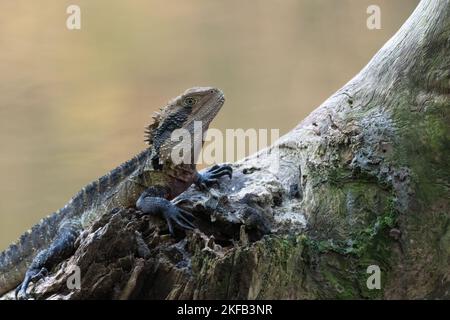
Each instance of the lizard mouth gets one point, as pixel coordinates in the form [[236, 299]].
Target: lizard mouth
[[217, 99], [221, 97]]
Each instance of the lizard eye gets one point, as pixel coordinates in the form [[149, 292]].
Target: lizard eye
[[189, 101]]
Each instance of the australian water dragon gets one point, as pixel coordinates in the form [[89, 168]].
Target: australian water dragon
[[147, 181]]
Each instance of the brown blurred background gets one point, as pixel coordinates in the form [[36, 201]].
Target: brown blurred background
[[73, 104]]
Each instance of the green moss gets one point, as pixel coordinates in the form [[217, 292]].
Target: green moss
[[424, 146], [343, 263], [342, 286], [372, 238], [375, 236]]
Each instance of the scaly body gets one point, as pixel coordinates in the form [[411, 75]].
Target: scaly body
[[148, 181]]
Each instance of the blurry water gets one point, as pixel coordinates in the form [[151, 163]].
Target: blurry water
[[73, 104]]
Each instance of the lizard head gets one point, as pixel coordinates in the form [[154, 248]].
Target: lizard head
[[192, 110]]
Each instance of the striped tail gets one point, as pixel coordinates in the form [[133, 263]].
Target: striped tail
[[15, 260]]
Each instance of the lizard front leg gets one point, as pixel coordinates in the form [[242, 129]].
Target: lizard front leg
[[152, 201]]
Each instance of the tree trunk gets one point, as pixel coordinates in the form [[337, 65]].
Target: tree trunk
[[362, 181]]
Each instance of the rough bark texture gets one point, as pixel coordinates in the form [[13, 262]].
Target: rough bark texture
[[364, 180]]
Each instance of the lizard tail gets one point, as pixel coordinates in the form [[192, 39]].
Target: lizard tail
[[15, 260]]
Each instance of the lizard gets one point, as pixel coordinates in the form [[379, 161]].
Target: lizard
[[148, 181]]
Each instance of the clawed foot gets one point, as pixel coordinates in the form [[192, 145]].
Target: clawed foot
[[207, 179], [32, 275], [180, 217], [149, 204]]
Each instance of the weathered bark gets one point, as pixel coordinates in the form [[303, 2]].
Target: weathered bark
[[363, 180]]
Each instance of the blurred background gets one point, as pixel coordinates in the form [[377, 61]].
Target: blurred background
[[74, 104]]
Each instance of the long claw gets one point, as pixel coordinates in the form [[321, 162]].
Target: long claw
[[213, 181], [221, 169], [16, 292], [224, 167], [169, 224], [182, 224], [187, 213], [221, 174], [214, 167], [184, 219]]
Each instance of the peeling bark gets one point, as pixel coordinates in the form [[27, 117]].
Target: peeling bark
[[363, 180]]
